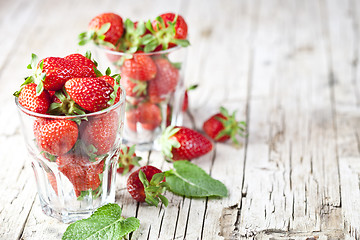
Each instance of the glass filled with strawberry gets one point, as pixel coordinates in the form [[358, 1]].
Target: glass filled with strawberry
[[150, 56], [72, 120]]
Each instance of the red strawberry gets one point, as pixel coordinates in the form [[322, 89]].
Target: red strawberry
[[147, 184], [58, 70], [52, 180], [180, 25], [181, 143], [82, 173], [107, 25], [112, 82], [92, 94], [127, 159], [140, 67], [56, 137], [29, 100], [101, 132], [149, 115], [165, 81], [80, 59], [133, 88], [132, 118], [186, 98], [223, 126], [167, 30]]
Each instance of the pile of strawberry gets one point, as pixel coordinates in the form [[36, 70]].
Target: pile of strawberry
[[72, 85], [178, 143], [148, 79]]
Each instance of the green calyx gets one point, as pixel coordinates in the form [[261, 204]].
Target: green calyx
[[162, 35], [140, 88], [168, 142], [66, 106], [154, 189], [232, 127], [96, 36], [132, 38], [37, 76], [126, 158]]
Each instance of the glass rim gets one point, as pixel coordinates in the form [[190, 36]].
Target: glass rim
[[103, 111], [169, 50]]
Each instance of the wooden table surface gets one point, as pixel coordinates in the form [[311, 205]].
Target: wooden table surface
[[290, 70]]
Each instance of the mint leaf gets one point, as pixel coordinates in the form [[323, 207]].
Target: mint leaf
[[105, 223], [189, 180]]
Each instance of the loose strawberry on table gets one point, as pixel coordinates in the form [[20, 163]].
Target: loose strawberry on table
[[147, 184], [182, 143], [222, 126]]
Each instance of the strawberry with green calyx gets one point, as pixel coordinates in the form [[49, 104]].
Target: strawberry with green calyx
[[133, 88], [131, 40], [29, 99], [51, 73], [185, 105], [223, 126], [92, 94], [62, 104], [55, 136], [83, 60], [105, 29], [182, 143], [167, 30], [147, 184], [127, 159]]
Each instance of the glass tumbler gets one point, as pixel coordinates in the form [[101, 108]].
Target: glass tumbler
[[154, 85], [74, 159]]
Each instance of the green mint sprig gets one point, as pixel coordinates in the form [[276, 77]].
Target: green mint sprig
[[104, 222]]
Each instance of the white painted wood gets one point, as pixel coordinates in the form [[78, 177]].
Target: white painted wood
[[290, 68]]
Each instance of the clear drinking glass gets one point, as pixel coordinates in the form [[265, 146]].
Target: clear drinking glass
[[154, 103], [73, 182]]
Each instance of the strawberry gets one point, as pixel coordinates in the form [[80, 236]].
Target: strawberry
[[222, 126], [56, 136], [140, 67], [52, 180], [185, 105], [127, 159], [149, 115], [101, 132], [92, 94], [52, 73], [29, 100], [181, 143], [105, 29], [82, 173], [165, 81], [167, 30], [114, 82], [147, 184], [133, 88], [132, 38], [132, 118], [83, 60]]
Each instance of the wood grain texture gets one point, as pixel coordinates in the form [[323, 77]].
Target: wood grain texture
[[290, 69]]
